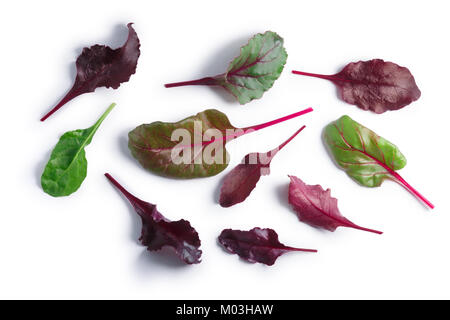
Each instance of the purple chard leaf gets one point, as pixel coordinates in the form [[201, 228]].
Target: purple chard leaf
[[256, 245], [100, 66], [158, 232]]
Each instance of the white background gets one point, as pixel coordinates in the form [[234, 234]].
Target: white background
[[85, 245]]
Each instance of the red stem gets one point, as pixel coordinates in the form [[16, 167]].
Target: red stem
[[271, 123], [301, 249], [244, 131], [354, 226], [281, 146], [315, 75], [207, 81], [69, 96], [321, 76], [401, 181], [408, 187], [273, 152], [129, 196]]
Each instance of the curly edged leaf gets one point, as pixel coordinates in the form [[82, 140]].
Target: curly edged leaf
[[201, 152], [365, 156], [253, 72], [100, 66], [256, 245], [158, 232], [375, 85], [67, 166], [317, 207], [240, 182]]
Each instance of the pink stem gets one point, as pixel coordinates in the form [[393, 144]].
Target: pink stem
[[271, 123], [408, 187], [273, 152], [365, 229], [207, 81], [292, 137], [244, 131]]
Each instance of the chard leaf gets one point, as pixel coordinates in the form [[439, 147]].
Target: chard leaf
[[256, 245], [158, 231], [375, 85], [67, 167], [240, 182], [365, 156], [201, 151], [100, 66], [317, 207], [253, 72]]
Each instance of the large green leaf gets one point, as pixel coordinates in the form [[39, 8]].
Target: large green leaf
[[253, 72], [67, 167], [365, 156], [190, 148], [152, 145]]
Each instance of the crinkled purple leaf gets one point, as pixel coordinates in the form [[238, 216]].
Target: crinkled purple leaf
[[241, 181], [374, 85], [100, 66], [158, 232], [256, 245], [317, 207]]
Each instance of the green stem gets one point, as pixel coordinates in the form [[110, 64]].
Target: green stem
[[104, 115], [95, 127]]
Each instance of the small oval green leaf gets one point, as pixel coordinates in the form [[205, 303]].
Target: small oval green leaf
[[67, 167], [365, 156]]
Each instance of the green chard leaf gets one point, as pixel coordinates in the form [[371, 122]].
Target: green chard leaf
[[191, 148], [152, 145], [67, 167], [366, 157], [253, 72]]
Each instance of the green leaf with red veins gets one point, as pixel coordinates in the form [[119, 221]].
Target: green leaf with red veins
[[253, 72], [191, 148], [365, 156], [257, 67]]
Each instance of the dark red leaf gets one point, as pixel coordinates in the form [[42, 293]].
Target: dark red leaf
[[374, 85], [101, 66], [158, 232], [256, 245], [241, 181], [317, 207]]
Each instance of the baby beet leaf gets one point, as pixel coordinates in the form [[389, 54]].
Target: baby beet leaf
[[256, 245], [201, 152], [317, 207], [158, 232], [374, 85], [366, 157], [253, 72], [101, 66], [67, 167], [241, 181]]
